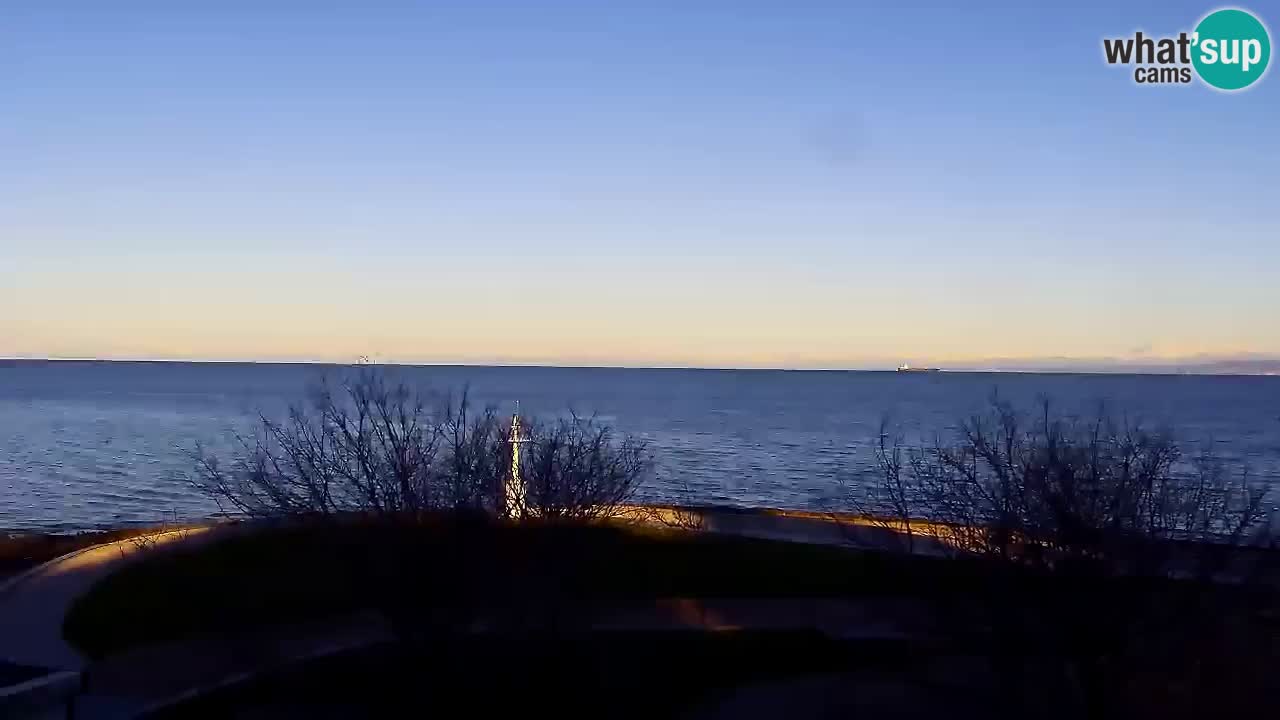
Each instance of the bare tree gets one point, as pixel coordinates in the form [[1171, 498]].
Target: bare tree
[[1093, 528], [577, 468], [371, 446], [476, 461], [1045, 491], [367, 445], [888, 504]]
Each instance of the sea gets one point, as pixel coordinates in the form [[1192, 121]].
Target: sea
[[90, 445]]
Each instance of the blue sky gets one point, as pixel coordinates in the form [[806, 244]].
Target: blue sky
[[687, 183]]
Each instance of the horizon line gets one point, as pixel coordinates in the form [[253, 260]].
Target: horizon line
[[1120, 369]]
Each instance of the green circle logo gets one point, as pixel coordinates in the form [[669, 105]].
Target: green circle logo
[[1232, 49]]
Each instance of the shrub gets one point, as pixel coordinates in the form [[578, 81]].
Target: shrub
[[371, 446], [1116, 552], [1051, 492]]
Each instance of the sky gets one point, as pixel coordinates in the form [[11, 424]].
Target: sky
[[723, 184]]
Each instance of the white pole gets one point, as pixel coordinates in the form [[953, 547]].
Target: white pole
[[514, 491]]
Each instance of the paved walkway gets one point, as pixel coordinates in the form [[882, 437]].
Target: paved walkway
[[135, 682], [138, 681], [34, 603]]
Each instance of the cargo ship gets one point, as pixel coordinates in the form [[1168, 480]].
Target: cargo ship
[[907, 368]]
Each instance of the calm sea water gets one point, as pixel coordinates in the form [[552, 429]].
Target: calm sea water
[[88, 444]]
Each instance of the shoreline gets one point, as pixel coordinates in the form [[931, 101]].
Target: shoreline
[[22, 550]]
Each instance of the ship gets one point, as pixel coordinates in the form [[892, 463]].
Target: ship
[[907, 368]]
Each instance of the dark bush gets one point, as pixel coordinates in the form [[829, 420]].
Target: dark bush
[[1052, 492], [370, 446], [1128, 574]]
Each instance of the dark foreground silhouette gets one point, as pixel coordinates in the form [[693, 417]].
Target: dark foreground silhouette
[[591, 620]]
